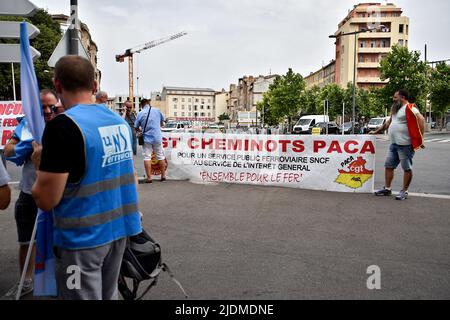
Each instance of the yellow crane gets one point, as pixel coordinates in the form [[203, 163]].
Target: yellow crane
[[130, 52]]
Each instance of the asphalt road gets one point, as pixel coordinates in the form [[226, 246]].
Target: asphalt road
[[248, 242]]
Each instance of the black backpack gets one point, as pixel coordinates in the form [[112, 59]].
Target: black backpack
[[142, 261]]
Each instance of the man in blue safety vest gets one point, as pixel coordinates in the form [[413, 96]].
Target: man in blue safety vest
[[86, 177]]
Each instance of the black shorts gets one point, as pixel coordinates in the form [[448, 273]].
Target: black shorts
[[26, 212]]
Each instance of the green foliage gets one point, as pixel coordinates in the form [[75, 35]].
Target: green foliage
[[311, 100], [45, 43], [224, 117], [284, 97], [404, 70], [440, 89]]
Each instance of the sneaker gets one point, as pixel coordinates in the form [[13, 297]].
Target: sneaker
[[383, 192], [26, 289], [402, 195]]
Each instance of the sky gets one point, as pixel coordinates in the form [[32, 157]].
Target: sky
[[228, 39]]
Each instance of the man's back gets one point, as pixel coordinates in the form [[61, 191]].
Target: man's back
[[152, 131]]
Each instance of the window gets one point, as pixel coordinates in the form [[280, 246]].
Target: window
[[209, 100], [400, 28], [208, 107], [174, 114], [189, 100], [174, 106], [202, 106], [190, 114], [400, 42], [362, 44], [195, 107], [406, 43], [202, 114], [190, 108], [407, 28], [182, 99], [209, 114], [196, 100], [383, 43], [182, 114], [372, 44], [174, 99], [182, 107]]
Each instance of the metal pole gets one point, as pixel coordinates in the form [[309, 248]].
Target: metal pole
[[354, 87], [328, 118], [13, 81], [343, 117], [74, 27]]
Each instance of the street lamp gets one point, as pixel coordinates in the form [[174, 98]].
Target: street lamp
[[354, 66]]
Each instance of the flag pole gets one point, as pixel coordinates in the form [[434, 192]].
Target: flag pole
[[27, 260]]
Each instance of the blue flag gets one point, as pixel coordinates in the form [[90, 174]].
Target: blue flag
[[44, 280]]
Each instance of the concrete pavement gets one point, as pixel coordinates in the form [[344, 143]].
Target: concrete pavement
[[248, 242]]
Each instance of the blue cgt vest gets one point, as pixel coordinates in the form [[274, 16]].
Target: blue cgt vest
[[102, 206]]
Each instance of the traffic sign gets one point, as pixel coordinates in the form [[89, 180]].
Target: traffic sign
[[11, 53], [11, 30], [23, 8], [62, 49]]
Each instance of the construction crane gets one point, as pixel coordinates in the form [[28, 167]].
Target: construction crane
[[130, 52]]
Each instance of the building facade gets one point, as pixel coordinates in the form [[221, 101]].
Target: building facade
[[222, 100], [322, 77], [86, 40], [247, 93], [195, 104], [391, 29]]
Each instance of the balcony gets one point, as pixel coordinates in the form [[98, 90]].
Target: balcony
[[368, 65], [374, 50], [370, 80], [375, 35]]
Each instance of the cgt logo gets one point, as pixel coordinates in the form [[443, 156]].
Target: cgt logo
[[116, 144]]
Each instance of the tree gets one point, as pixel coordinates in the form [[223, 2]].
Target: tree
[[224, 116], [45, 43], [404, 70], [284, 97], [270, 116], [335, 96], [440, 89], [311, 100]]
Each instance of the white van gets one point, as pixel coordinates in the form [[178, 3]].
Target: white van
[[174, 127], [375, 123], [305, 123]]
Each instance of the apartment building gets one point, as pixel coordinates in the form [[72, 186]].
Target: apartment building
[[389, 27], [196, 104]]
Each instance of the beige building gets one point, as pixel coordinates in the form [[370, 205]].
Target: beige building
[[222, 99], [86, 40], [391, 29], [322, 77], [247, 93], [195, 104]]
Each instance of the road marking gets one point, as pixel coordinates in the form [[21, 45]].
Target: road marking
[[432, 140], [428, 195], [443, 141], [14, 182]]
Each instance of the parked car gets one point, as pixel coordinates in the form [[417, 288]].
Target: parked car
[[333, 128], [347, 127], [306, 123], [374, 124], [174, 126]]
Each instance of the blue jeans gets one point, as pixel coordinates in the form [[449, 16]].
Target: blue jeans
[[399, 155]]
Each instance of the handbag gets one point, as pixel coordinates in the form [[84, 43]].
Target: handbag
[[141, 135]]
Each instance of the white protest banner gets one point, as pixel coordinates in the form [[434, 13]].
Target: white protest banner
[[332, 163], [9, 111]]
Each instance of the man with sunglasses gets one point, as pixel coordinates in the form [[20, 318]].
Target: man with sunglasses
[[19, 150]]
